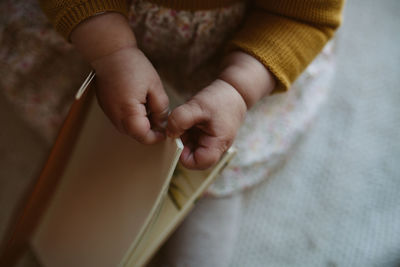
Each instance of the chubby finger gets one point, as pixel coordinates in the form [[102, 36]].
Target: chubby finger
[[184, 117], [201, 153], [158, 105], [201, 158], [139, 128], [131, 119]]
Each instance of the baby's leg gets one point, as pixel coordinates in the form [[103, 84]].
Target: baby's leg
[[206, 237]]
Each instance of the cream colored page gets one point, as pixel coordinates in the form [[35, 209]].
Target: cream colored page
[[171, 214], [107, 192]]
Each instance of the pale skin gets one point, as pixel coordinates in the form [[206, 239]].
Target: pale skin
[[131, 94]]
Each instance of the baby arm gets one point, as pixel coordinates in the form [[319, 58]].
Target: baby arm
[[209, 121], [127, 86], [284, 36]]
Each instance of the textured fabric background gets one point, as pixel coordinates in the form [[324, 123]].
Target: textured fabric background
[[336, 202]]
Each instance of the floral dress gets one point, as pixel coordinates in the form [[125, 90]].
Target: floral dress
[[40, 73]]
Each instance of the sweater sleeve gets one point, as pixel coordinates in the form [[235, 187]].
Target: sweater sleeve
[[65, 15], [286, 35]]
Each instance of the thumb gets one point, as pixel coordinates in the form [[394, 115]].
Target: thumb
[[207, 152], [184, 117], [158, 105]]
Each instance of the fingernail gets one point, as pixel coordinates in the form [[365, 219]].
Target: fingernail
[[164, 124], [169, 133], [160, 135]]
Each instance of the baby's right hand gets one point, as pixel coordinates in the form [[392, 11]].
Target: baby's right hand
[[127, 86], [130, 92]]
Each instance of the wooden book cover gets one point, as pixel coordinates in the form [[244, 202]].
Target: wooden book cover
[[104, 199]]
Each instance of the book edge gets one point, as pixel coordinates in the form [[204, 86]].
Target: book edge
[[147, 224], [184, 211]]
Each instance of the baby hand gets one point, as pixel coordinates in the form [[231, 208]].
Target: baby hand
[[127, 86], [209, 121], [207, 124], [130, 92]]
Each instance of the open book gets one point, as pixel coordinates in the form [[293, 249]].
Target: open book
[[104, 199]]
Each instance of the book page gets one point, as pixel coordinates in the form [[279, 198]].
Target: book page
[[110, 189], [185, 188]]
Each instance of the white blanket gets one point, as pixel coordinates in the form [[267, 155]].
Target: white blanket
[[336, 201]]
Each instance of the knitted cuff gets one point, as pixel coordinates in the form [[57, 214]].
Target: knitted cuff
[[284, 46], [194, 5], [72, 16]]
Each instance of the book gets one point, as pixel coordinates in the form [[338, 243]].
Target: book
[[104, 199]]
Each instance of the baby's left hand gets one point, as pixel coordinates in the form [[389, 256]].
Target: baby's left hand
[[209, 121], [207, 124]]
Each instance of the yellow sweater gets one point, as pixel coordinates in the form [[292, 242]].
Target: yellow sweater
[[285, 35]]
